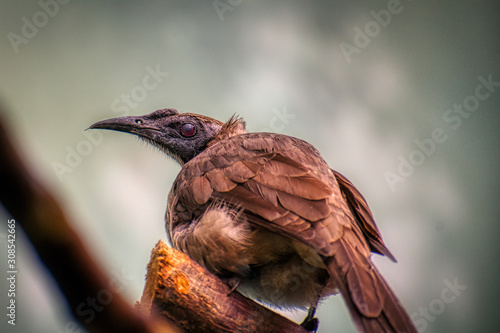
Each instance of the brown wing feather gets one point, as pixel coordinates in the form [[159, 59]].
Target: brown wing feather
[[363, 214], [311, 210], [371, 302], [241, 171], [201, 189], [219, 181], [282, 165], [306, 187]]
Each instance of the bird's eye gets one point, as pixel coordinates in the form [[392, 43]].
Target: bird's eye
[[138, 121], [188, 130]]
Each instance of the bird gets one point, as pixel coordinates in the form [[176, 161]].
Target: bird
[[266, 214]]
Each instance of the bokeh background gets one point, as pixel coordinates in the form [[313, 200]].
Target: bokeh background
[[364, 99]]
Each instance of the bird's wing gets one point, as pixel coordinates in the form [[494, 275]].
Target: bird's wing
[[362, 213], [282, 184]]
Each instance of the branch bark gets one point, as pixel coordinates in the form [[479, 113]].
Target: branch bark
[[180, 290]]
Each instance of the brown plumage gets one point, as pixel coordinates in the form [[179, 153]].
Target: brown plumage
[[266, 210]]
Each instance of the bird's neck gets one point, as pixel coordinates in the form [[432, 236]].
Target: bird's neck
[[234, 126]]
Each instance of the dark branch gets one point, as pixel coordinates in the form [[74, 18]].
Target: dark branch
[[58, 246]]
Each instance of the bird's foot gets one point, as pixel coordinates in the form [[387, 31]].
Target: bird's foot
[[233, 283], [311, 323]]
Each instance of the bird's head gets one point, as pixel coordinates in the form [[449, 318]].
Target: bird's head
[[180, 135]]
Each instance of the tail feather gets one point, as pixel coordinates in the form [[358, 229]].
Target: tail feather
[[371, 302]]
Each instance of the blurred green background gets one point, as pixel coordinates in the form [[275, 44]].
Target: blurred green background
[[366, 82]]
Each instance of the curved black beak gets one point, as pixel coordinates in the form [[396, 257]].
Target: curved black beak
[[139, 125], [123, 124], [130, 124]]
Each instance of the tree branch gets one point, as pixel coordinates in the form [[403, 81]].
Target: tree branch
[[179, 289]]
